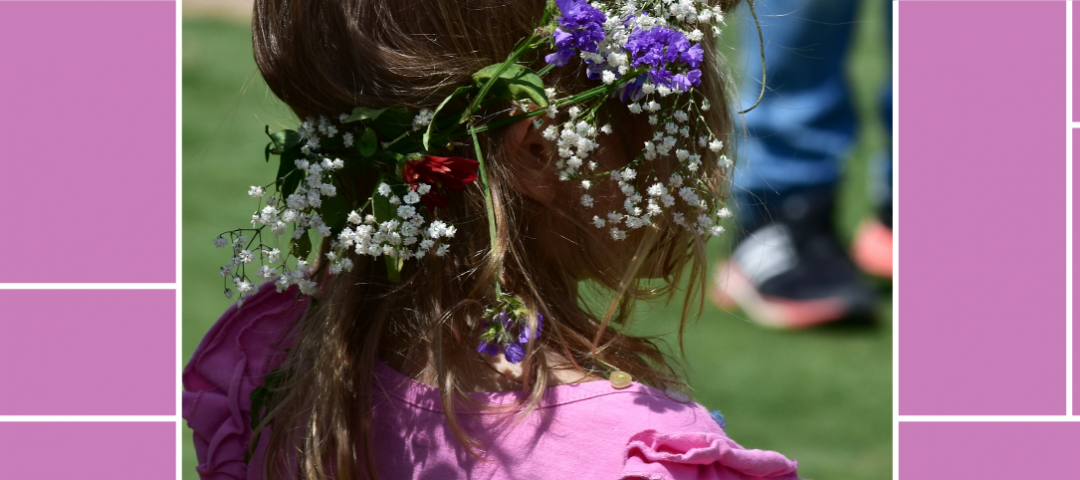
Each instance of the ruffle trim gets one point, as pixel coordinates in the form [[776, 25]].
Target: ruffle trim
[[701, 456], [228, 365]]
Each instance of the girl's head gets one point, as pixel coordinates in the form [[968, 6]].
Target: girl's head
[[324, 57]]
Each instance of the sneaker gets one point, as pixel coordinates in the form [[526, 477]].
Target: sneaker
[[792, 272]]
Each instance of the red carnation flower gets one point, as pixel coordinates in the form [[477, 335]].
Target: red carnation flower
[[450, 172]]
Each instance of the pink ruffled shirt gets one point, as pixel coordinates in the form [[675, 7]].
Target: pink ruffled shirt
[[582, 431]]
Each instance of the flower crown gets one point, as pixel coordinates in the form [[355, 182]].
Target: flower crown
[[638, 51]]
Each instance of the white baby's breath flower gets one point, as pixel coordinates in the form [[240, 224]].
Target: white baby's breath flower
[[656, 190], [395, 200], [348, 139], [406, 211], [648, 88], [682, 155], [220, 242], [384, 190], [412, 198], [634, 108], [716, 145], [423, 189], [724, 213], [324, 231], [653, 119], [629, 174], [617, 234], [550, 133], [266, 272], [245, 256], [716, 230], [598, 222], [606, 128], [608, 77], [680, 116], [225, 270], [695, 36], [705, 105], [441, 251], [355, 218], [667, 200], [255, 192], [587, 201]]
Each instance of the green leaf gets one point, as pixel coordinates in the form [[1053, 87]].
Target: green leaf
[[394, 122], [335, 210], [288, 177], [514, 83], [362, 113], [301, 247], [368, 143], [435, 115], [283, 140]]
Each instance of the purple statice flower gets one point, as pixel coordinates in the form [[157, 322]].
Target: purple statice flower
[[526, 335], [630, 91], [490, 349], [564, 44], [663, 48], [584, 30], [514, 353]]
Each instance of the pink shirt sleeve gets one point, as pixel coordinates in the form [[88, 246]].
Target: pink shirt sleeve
[[700, 456], [227, 366]]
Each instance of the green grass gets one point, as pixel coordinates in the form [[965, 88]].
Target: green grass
[[821, 396]]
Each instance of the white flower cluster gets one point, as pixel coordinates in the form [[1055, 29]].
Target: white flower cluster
[[575, 141], [406, 236]]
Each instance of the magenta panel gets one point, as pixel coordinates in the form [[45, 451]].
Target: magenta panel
[[88, 352], [88, 97], [88, 451], [982, 208], [988, 451]]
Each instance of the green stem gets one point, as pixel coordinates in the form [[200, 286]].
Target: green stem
[[488, 203]]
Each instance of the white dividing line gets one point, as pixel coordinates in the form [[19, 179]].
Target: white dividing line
[[989, 418], [896, 239], [1068, 213], [88, 418], [88, 286], [179, 244]]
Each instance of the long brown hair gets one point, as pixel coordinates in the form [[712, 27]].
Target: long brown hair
[[324, 57]]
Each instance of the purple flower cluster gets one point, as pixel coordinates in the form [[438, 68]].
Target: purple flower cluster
[[663, 48], [584, 26], [514, 350]]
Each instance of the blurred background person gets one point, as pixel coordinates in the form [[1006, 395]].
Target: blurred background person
[[788, 268]]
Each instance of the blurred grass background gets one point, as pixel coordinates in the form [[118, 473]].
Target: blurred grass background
[[822, 396]]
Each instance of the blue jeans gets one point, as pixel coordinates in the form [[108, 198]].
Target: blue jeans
[[805, 124]]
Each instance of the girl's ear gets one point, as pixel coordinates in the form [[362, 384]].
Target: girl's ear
[[531, 155]]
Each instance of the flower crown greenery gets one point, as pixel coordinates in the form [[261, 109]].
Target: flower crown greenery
[[639, 51]]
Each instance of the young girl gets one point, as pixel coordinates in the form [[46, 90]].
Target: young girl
[[489, 168]]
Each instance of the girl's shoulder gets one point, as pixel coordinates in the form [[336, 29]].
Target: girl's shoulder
[[582, 430], [229, 363]]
